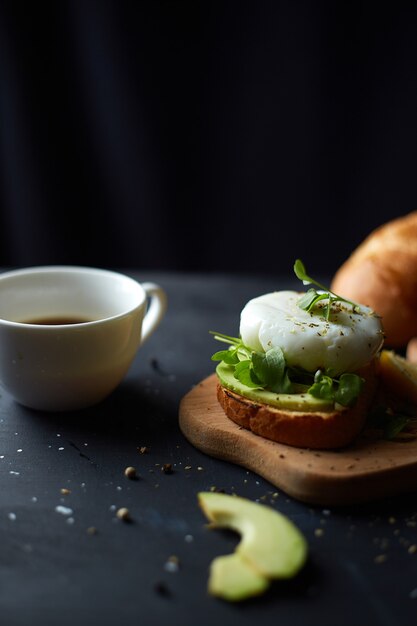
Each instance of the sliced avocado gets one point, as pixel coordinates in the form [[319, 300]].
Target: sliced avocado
[[270, 543], [300, 401], [231, 578]]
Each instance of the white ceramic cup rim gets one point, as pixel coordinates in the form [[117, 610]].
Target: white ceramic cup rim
[[136, 291]]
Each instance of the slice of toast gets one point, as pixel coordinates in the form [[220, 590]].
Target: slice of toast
[[317, 430]]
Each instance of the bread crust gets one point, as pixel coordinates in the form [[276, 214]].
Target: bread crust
[[310, 429], [411, 353], [381, 273]]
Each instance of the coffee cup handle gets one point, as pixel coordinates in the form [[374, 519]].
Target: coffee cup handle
[[156, 311]]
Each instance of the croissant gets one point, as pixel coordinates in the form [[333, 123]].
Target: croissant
[[382, 273]]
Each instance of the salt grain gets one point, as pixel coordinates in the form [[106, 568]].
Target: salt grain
[[172, 564], [64, 510]]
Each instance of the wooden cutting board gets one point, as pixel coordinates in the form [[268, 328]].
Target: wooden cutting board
[[367, 470]]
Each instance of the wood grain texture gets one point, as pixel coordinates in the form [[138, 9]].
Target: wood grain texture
[[369, 469]]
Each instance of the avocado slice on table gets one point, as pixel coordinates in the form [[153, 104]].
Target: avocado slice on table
[[233, 579], [271, 546]]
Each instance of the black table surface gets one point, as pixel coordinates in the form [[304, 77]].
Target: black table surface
[[362, 565]]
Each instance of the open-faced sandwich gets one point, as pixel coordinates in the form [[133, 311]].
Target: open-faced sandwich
[[305, 368]]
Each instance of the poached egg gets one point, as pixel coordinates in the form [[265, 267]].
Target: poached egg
[[350, 339]]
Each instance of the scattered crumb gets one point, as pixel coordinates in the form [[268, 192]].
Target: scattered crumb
[[380, 558], [319, 532], [64, 491], [130, 472], [187, 467], [167, 468], [413, 548], [189, 538], [143, 449], [123, 514]]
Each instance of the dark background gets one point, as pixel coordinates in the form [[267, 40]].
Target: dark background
[[197, 135]]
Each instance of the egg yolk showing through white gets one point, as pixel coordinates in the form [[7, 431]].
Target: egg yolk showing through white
[[349, 339]]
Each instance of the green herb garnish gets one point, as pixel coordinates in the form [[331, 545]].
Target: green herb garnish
[[391, 423], [344, 390], [309, 300], [269, 370], [263, 370], [230, 356]]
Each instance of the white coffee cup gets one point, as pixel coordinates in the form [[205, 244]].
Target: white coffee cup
[[69, 334]]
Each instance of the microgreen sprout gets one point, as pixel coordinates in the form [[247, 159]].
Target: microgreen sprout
[[258, 370], [310, 299], [269, 370], [343, 391]]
